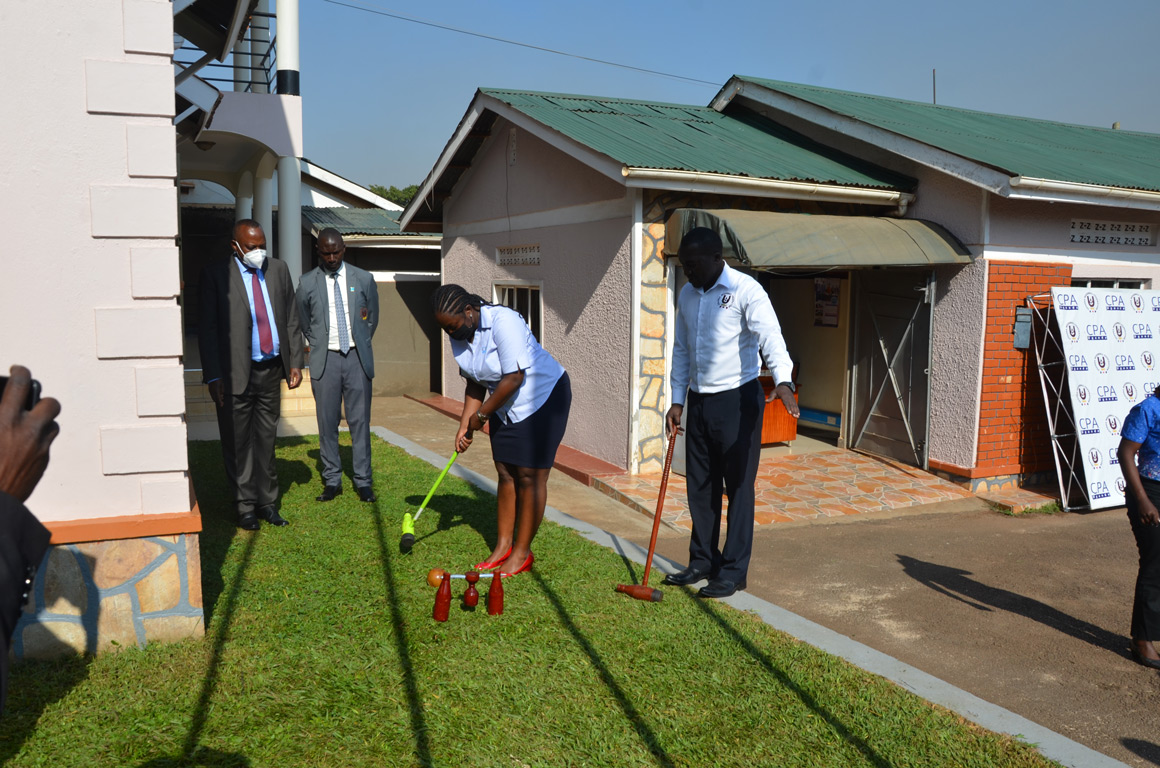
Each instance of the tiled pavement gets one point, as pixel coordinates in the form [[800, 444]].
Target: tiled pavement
[[816, 481], [825, 484]]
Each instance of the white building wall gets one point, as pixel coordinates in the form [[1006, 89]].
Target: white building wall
[[1031, 230], [89, 297]]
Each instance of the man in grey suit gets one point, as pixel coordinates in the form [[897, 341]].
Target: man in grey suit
[[338, 305], [249, 340]]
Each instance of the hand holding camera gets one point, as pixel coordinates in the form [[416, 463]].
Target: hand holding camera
[[27, 428]]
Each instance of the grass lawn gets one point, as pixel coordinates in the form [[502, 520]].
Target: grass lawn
[[320, 650]]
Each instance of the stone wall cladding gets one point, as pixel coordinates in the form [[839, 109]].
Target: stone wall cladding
[[105, 595], [1014, 438], [655, 301]]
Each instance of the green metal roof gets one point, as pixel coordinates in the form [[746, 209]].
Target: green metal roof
[[656, 135], [369, 222], [1019, 146]]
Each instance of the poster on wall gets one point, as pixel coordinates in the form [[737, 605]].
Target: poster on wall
[[1109, 337], [826, 290]]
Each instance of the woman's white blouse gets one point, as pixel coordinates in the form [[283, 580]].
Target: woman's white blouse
[[504, 344]]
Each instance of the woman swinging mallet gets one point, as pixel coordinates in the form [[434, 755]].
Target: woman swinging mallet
[[520, 389]]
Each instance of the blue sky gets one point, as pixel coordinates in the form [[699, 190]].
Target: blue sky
[[382, 96]]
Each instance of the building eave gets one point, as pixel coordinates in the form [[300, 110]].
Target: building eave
[[718, 183]]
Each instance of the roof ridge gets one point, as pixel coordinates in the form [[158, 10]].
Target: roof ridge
[[790, 87], [587, 97]]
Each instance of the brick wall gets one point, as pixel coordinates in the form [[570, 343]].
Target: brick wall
[[1013, 433]]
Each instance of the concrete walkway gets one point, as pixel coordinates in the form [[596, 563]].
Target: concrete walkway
[[1016, 623]]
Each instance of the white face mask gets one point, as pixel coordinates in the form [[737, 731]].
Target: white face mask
[[253, 259]]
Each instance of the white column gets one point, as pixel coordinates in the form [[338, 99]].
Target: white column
[[260, 45], [288, 57], [241, 65], [290, 215], [244, 198], [263, 210]]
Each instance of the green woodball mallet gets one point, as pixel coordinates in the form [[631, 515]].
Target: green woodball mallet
[[408, 539]]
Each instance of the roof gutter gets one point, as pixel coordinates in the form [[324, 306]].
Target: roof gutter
[[404, 241], [720, 183], [1090, 193]]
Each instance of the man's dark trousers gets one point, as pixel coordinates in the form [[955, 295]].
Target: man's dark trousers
[[1146, 603], [249, 425], [345, 383], [722, 449]]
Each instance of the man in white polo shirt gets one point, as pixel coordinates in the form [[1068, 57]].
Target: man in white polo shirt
[[724, 321]]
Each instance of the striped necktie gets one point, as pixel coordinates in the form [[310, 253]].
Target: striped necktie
[[340, 314], [265, 338]]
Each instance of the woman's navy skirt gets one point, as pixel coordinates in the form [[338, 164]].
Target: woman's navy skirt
[[533, 442]]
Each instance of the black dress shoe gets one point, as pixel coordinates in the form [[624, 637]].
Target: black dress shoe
[[720, 588], [1141, 658], [366, 493], [248, 521], [328, 493], [688, 576], [269, 513]]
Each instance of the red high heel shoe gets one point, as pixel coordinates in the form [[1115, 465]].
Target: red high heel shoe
[[527, 566], [489, 565]]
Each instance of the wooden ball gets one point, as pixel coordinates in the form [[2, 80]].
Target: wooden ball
[[435, 576]]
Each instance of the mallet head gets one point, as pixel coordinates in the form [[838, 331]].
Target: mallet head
[[641, 592], [408, 539]]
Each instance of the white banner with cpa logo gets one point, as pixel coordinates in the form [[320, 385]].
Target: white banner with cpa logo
[[1110, 341]]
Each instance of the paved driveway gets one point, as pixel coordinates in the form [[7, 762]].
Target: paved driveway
[[1030, 613]]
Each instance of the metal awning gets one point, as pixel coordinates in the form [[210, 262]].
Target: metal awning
[[767, 239]]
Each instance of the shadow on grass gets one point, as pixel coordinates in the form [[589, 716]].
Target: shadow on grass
[[191, 753], [455, 509], [35, 683], [779, 674], [218, 513], [955, 584], [626, 706], [33, 686], [290, 472], [399, 628], [218, 518], [630, 566]]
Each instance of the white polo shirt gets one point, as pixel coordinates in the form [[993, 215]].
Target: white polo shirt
[[719, 332], [503, 344]]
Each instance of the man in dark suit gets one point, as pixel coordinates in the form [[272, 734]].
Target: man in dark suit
[[249, 340], [338, 305], [25, 436]]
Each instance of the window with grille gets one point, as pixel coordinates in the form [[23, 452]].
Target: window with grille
[[524, 299], [1109, 283]]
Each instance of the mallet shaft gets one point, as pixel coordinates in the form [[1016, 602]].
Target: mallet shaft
[[438, 480]]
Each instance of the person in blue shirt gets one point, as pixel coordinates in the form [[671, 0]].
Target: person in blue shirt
[[525, 395], [1139, 455]]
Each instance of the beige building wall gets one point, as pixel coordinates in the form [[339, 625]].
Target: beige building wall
[[523, 192]]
